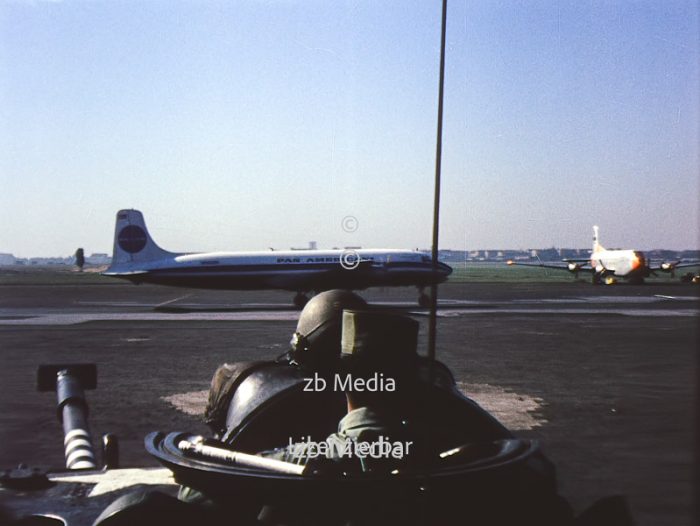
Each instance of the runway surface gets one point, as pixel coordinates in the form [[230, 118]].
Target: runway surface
[[604, 377]]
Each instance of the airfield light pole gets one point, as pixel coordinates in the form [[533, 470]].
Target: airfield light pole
[[436, 203]]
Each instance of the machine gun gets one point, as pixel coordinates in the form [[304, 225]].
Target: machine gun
[[86, 493], [78, 494]]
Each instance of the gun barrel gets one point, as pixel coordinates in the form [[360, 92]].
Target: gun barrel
[[244, 459], [71, 402], [70, 382]]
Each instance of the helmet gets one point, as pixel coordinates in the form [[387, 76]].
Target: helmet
[[378, 341], [316, 342]]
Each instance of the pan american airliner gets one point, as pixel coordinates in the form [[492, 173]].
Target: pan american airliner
[[606, 266], [139, 259]]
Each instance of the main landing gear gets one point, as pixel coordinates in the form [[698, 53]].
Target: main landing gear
[[423, 299], [599, 277], [300, 300]]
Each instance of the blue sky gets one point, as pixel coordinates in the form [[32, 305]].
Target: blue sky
[[255, 124]]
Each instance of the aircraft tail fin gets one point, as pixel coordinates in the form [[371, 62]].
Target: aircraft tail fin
[[132, 243], [597, 247]]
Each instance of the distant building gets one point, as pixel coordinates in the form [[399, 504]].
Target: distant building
[[574, 253], [98, 259], [547, 254], [7, 259], [52, 261], [312, 246]]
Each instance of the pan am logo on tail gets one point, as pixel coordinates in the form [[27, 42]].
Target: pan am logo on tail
[[133, 246], [132, 239]]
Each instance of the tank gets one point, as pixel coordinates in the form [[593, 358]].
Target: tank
[[479, 465]]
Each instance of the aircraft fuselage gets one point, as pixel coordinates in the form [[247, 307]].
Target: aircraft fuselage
[[621, 263], [302, 270]]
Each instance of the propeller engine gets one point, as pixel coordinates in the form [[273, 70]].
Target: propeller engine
[[669, 267], [575, 268]]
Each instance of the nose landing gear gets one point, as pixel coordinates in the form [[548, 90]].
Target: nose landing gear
[[423, 299]]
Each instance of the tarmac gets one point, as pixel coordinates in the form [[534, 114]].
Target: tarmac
[[604, 377]]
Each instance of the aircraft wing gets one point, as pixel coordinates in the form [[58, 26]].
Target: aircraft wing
[[110, 272], [572, 266], [666, 266]]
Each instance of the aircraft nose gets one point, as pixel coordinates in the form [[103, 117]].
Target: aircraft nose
[[637, 260], [444, 269]]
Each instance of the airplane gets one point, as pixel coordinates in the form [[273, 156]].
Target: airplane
[[606, 266], [137, 258]]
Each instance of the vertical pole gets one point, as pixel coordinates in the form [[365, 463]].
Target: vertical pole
[[436, 202], [432, 321]]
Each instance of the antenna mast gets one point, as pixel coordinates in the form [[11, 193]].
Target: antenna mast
[[436, 203]]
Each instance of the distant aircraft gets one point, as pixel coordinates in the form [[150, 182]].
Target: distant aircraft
[[606, 266], [138, 259]]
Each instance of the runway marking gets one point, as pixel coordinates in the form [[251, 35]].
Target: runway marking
[[677, 298], [284, 305], [172, 301], [660, 313], [514, 410], [74, 319], [114, 304], [644, 300], [40, 318], [621, 299]]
